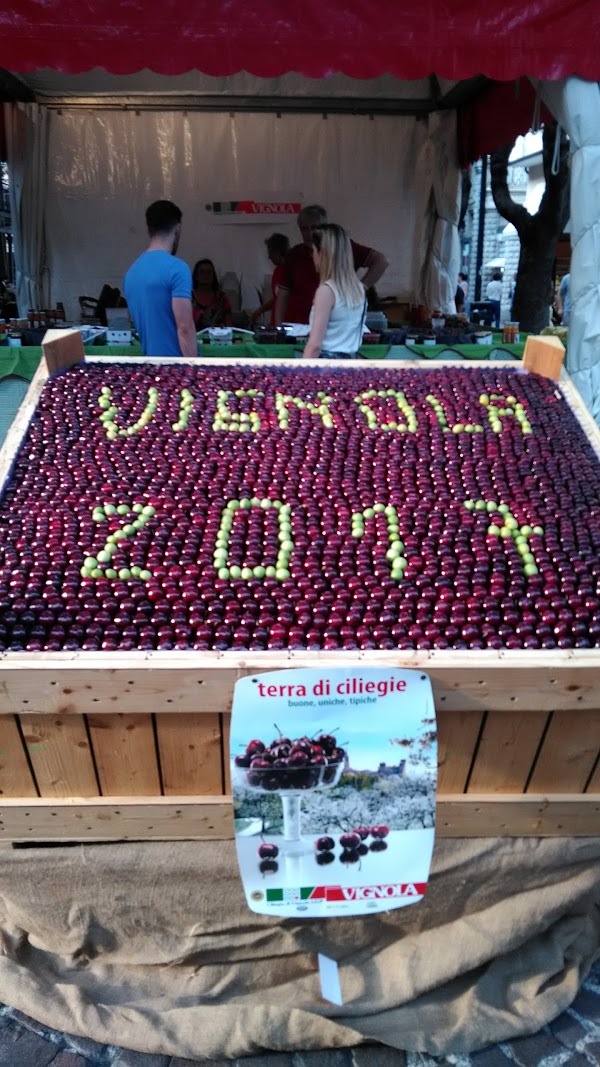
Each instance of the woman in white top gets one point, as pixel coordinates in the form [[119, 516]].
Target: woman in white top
[[338, 313]]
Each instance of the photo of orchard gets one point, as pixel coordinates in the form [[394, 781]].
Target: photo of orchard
[[398, 795]]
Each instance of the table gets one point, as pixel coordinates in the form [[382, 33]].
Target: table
[[23, 362]]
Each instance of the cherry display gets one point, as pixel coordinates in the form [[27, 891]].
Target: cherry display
[[250, 508], [290, 766]]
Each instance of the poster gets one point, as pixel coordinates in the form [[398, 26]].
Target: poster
[[334, 781]]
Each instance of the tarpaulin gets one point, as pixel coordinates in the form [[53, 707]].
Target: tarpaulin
[[545, 38]]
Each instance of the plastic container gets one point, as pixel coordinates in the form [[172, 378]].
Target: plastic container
[[376, 322]]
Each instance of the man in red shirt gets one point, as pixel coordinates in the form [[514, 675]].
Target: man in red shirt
[[300, 280], [278, 247]]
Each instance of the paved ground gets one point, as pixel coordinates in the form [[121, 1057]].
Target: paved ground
[[573, 1039]]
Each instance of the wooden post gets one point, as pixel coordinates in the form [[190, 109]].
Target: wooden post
[[62, 349], [544, 355]]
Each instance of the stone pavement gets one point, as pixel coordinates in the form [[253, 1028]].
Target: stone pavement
[[573, 1039]]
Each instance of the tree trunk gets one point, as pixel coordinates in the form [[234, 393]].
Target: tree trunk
[[538, 233], [533, 290]]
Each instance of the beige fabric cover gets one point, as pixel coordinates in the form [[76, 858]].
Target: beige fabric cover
[[151, 946]]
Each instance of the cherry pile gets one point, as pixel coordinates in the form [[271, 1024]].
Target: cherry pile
[[285, 764], [238, 507], [352, 844]]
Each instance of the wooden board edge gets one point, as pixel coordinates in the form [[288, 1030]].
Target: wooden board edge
[[265, 361], [249, 662], [210, 818]]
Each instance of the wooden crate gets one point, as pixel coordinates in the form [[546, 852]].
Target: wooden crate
[[100, 746]]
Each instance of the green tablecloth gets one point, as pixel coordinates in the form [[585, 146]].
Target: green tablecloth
[[498, 350], [19, 362], [23, 362]]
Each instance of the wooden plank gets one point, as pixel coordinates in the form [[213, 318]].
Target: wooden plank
[[90, 682], [457, 736], [125, 754], [61, 690], [511, 816], [202, 818], [226, 731], [506, 752], [568, 754], [59, 751], [15, 776], [190, 754], [117, 819]]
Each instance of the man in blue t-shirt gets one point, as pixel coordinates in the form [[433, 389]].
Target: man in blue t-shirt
[[158, 288]]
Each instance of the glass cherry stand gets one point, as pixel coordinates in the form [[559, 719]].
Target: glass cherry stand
[[295, 783]]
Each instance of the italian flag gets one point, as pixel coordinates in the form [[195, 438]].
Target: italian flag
[[295, 896]]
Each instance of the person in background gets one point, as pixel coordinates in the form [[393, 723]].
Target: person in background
[[210, 305], [493, 293], [563, 300], [340, 305], [278, 246], [300, 278], [8, 302], [460, 295], [158, 288]]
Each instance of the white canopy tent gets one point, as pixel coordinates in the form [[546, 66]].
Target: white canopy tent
[[94, 149], [576, 105]]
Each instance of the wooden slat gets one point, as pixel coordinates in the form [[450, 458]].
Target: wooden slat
[[15, 775], [190, 754], [568, 754], [201, 818], [457, 735], [511, 816], [60, 755], [87, 683], [125, 754], [184, 690], [226, 731], [506, 752], [117, 819]]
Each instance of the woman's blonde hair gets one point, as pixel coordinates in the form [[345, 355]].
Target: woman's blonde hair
[[337, 262]]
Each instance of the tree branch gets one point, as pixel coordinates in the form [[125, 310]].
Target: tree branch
[[511, 211]]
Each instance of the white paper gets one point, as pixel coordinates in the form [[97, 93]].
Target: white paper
[[330, 979]]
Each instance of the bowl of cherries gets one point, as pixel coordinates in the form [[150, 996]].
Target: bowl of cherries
[[290, 766]]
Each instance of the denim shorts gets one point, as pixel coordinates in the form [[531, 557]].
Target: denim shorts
[[337, 355]]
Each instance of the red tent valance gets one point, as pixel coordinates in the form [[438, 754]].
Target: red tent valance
[[544, 38], [501, 112]]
